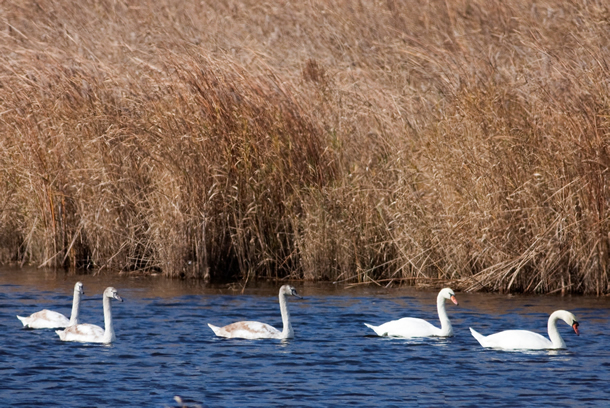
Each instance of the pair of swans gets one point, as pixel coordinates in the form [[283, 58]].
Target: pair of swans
[[90, 333], [508, 340], [407, 327], [72, 330]]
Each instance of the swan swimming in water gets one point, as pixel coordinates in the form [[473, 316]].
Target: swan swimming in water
[[413, 327], [527, 340], [48, 319], [90, 333], [256, 330]]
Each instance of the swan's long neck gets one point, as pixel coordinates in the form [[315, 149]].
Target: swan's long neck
[[446, 328], [109, 335], [553, 332], [287, 332], [75, 308]]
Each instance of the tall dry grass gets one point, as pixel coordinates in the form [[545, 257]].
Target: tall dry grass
[[418, 142]]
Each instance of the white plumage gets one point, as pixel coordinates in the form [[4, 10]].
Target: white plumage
[[90, 333], [48, 319], [412, 327], [256, 330], [528, 340]]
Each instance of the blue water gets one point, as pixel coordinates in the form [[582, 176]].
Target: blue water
[[165, 349]]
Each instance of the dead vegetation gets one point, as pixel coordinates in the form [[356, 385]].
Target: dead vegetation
[[414, 142]]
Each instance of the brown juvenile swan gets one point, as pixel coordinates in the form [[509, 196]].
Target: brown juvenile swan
[[90, 333], [256, 330], [48, 319]]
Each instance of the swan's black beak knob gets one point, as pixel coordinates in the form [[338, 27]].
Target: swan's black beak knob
[[295, 294]]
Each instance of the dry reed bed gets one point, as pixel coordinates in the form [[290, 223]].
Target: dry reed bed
[[419, 142]]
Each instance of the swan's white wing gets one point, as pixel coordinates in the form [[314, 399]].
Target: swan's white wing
[[516, 340], [88, 333], [407, 327], [247, 330], [45, 319]]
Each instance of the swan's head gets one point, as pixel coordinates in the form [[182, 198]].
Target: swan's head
[[448, 294], [79, 288], [289, 290], [570, 319], [112, 294]]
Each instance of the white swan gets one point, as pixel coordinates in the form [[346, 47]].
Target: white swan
[[413, 327], [48, 319], [90, 333], [256, 330], [527, 340]]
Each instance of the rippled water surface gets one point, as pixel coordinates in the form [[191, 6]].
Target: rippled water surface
[[164, 348]]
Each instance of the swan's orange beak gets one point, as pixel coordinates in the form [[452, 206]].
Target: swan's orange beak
[[454, 300], [575, 327]]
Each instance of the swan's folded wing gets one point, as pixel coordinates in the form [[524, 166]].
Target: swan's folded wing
[[518, 340], [249, 330], [408, 327], [45, 319], [82, 332]]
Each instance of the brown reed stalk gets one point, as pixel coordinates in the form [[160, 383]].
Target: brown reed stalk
[[414, 142]]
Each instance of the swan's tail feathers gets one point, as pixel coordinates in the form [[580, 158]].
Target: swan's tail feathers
[[376, 330], [61, 334], [214, 328], [24, 320], [480, 338]]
